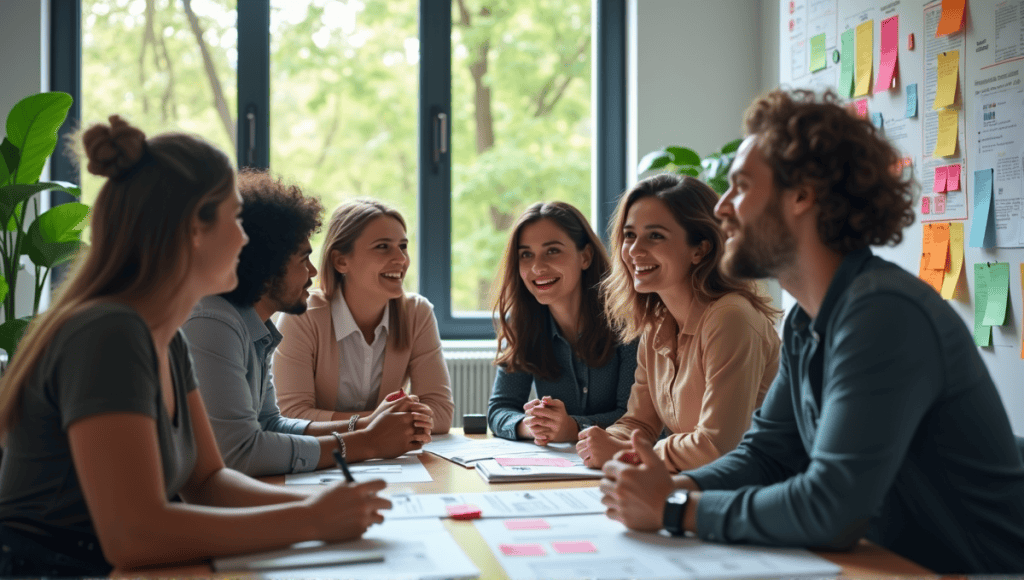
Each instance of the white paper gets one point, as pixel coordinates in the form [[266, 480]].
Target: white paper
[[493, 472], [499, 504], [413, 549], [466, 451], [999, 117], [404, 469], [625, 554]]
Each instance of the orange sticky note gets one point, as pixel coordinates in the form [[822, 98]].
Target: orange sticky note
[[953, 17], [945, 145], [948, 64], [932, 277], [940, 179], [956, 260], [865, 43], [890, 54], [953, 177], [936, 241]]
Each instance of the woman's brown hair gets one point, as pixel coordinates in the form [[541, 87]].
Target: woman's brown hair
[[692, 203], [347, 223], [141, 230], [521, 321]]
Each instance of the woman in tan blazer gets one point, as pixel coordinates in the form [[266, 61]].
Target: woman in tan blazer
[[363, 339]]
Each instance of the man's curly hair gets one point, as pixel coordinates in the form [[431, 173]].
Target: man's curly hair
[[862, 198], [277, 218]]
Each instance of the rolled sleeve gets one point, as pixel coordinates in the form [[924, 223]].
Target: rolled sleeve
[[505, 408]]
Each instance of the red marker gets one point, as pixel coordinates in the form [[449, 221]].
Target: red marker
[[394, 396]]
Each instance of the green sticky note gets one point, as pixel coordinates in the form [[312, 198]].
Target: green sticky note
[[818, 60], [846, 60], [982, 333], [998, 292]]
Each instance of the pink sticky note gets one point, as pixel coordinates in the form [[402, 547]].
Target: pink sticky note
[[533, 461], [889, 54], [466, 511], [522, 549], [579, 547], [534, 524], [940, 204], [925, 204], [940, 179], [953, 177], [862, 108]]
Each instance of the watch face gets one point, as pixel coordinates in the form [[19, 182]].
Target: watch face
[[678, 497]]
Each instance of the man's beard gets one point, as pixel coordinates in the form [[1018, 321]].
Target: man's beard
[[286, 305], [760, 250]]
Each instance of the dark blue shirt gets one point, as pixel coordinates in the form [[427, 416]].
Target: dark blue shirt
[[883, 422], [592, 396]]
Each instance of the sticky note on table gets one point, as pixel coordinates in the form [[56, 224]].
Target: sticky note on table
[[940, 179], [953, 17], [982, 333], [948, 64], [956, 260], [818, 60], [911, 100], [889, 53], [865, 42], [522, 549], [533, 461], [982, 220], [574, 547], [528, 524], [953, 177], [945, 144], [846, 60], [465, 511], [998, 292]]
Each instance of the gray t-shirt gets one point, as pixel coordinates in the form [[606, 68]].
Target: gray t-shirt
[[101, 361]]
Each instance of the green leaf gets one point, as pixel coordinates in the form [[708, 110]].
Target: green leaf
[[53, 238], [691, 171], [11, 156], [732, 146], [683, 156], [12, 195], [4, 288], [32, 127], [719, 185], [11, 333], [653, 160], [12, 224]]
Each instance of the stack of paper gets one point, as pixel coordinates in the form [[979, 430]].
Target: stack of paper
[[521, 468]]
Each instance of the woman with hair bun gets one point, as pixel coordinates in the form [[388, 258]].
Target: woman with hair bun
[[103, 422]]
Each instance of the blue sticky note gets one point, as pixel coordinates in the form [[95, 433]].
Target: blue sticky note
[[876, 119], [983, 234], [912, 100]]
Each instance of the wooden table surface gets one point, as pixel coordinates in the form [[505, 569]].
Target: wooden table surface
[[867, 560]]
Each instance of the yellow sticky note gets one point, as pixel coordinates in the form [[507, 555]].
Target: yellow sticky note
[[945, 145], [865, 44], [956, 261], [949, 71]]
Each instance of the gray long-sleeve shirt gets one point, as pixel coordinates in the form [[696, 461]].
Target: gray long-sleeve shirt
[[882, 421], [232, 347]]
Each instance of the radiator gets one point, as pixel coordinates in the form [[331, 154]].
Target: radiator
[[472, 373]]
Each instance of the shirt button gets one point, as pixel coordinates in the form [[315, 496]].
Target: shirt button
[[584, 389]]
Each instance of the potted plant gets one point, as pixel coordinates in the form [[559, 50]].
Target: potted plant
[[51, 238], [713, 169]]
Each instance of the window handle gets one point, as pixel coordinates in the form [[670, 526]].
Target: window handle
[[440, 136], [250, 155]]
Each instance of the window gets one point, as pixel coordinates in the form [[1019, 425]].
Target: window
[[508, 112]]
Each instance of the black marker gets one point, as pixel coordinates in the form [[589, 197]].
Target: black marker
[[344, 466]]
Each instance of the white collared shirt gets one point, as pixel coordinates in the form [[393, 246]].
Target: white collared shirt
[[361, 365]]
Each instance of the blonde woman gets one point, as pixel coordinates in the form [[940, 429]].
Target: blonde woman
[[708, 347], [103, 421], [363, 338]]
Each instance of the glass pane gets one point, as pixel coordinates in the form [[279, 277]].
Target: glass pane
[[344, 86], [162, 64], [521, 126]]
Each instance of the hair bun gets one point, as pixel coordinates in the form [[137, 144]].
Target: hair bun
[[113, 149]]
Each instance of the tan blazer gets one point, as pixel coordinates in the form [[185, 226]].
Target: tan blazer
[[307, 360]]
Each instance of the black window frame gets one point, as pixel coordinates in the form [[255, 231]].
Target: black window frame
[[434, 196]]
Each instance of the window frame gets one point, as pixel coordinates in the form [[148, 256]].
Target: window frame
[[608, 176]]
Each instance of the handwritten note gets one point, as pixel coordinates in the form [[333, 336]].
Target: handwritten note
[[932, 277], [945, 145], [865, 43], [949, 72], [953, 17], [982, 222], [846, 60], [998, 292], [890, 54], [982, 333], [818, 60], [956, 260], [926, 205], [940, 179], [953, 177], [911, 100], [940, 204], [936, 242]]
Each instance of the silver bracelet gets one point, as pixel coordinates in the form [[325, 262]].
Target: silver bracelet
[[341, 444], [352, 422]]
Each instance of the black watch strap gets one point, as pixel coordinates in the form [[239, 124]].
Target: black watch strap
[[675, 507]]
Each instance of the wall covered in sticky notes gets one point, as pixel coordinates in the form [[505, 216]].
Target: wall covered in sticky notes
[[952, 102]]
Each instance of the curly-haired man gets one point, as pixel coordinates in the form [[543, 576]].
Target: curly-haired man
[[883, 421], [232, 340]]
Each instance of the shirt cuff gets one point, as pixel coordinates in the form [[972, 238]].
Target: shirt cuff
[[306, 454], [582, 422], [293, 426], [711, 514]]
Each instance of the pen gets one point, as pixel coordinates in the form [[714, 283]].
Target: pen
[[344, 466]]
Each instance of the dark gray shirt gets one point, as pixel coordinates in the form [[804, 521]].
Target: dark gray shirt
[[882, 421], [101, 361], [592, 396]]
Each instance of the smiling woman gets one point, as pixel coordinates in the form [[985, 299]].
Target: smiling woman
[[362, 337]]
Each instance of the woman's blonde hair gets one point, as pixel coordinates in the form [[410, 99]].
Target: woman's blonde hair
[[347, 223], [141, 229], [520, 321], [692, 204]]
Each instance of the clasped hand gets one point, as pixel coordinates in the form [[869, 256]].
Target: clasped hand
[[548, 422]]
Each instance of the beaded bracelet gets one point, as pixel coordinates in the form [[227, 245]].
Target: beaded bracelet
[[341, 443], [352, 422]]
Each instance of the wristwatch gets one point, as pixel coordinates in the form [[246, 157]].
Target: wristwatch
[[675, 507]]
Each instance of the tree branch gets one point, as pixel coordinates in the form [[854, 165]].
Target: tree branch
[[543, 108], [211, 73]]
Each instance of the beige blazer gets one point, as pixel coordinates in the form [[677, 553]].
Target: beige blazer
[[306, 363]]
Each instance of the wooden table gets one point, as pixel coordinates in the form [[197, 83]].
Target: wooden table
[[865, 561]]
